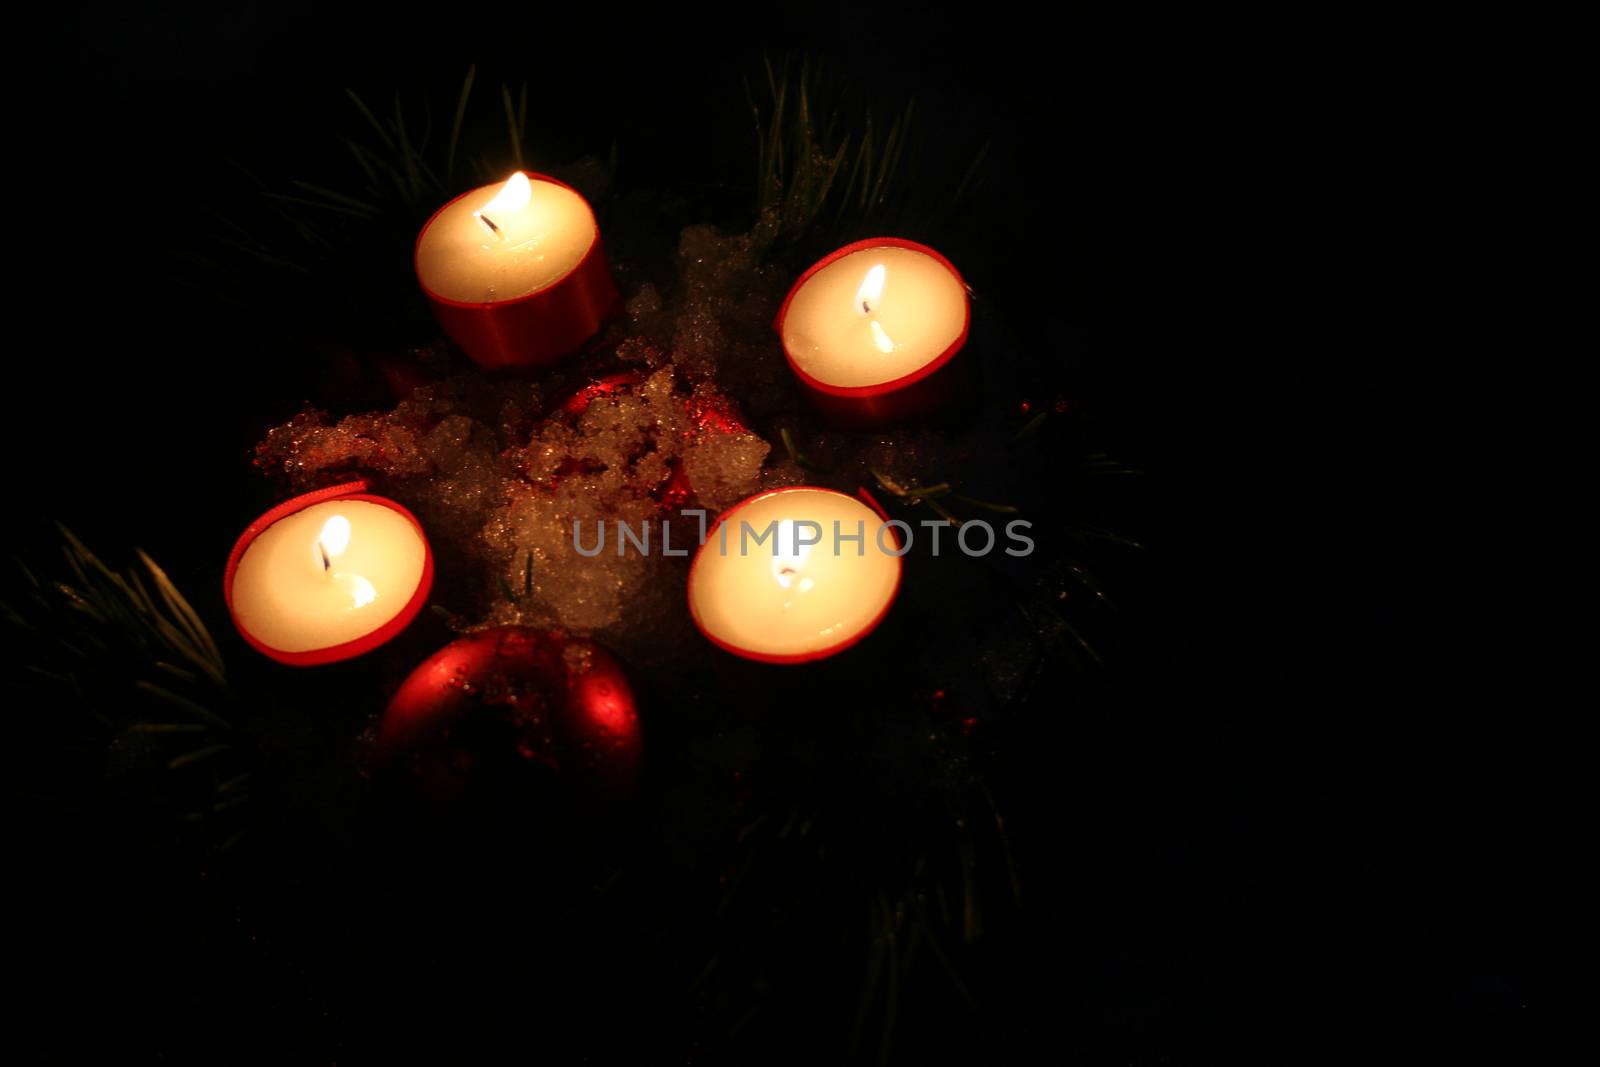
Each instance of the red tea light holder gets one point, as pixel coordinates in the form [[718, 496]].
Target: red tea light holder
[[537, 239], [872, 332], [784, 603], [328, 576]]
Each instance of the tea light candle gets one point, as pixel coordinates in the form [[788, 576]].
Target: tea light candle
[[870, 329], [515, 272], [328, 575], [821, 578]]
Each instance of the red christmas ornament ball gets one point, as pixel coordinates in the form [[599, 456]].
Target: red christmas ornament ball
[[509, 707]]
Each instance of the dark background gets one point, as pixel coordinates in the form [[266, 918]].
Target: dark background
[[1284, 263]]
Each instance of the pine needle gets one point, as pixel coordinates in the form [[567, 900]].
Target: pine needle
[[182, 703], [456, 123], [196, 756]]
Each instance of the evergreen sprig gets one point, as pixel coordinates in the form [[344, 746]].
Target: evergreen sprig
[[821, 176], [129, 650], [403, 166]]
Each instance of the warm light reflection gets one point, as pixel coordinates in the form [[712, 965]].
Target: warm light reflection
[[362, 592], [871, 289], [884, 342], [609, 706]]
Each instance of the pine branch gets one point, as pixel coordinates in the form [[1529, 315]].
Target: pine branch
[[101, 635]]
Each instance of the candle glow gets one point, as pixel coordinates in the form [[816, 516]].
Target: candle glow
[[505, 241], [872, 317], [514, 272], [312, 584], [512, 198], [793, 575]]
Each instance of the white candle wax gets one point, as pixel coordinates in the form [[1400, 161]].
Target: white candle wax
[[328, 574], [874, 316], [783, 600], [505, 241]]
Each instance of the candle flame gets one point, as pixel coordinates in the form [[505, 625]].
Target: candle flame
[[871, 289], [334, 539], [512, 197], [789, 557]]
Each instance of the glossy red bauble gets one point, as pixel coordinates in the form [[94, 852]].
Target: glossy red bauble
[[513, 706]]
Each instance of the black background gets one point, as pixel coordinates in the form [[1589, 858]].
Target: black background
[[1282, 262]]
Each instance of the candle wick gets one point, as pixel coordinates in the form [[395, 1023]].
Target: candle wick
[[487, 221], [327, 564], [866, 307]]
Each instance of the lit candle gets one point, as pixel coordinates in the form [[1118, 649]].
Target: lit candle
[[871, 329], [328, 575], [515, 271], [792, 575]]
